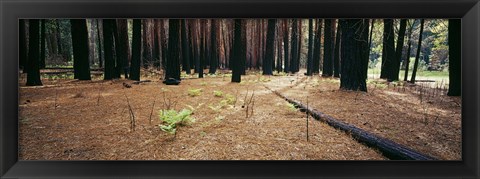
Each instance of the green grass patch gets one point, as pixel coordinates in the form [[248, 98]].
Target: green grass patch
[[194, 92], [217, 93], [171, 119]]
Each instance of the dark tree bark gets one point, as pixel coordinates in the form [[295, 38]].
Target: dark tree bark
[[336, 53], [393, 76], [454, 59], [286, 37], [239, 51], [354, 54], [173, 60], [310, 48], [328, 48], [81, 63], [417, 57], [203, 24], [163, 44], [300, 40], [58, 39], [279, 48], [388, 52], [269, 55], [213, 47], [122, 48], [100, 54], [185, 48], [33, 74], [407, 58], [108, 46], [136, 50], [147, 48], [156, 43], [42, 45], [317, 48], [294, 58], [22, 46]]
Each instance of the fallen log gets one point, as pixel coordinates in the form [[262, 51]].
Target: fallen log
[[143, 81], [388, 148]]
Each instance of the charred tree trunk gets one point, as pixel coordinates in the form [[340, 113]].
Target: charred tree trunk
[[108, 46], [122, 48], [33, 73], [81, 64], [417, 56], [336, 52], [455, 55], [328, 48], [239, 49], [214, 47], [388, 53], [398, 52], [42, 45], [269, 55], [310, 48], [22, 46], [136, 50], [407, 58], [294, 58], [173, 60], [286, 37], [354, 58], [317, 48], [185, 48], [156, 43]]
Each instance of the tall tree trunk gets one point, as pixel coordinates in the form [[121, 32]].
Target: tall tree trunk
[[91, 41], [121, 47], [80, 49], [417, 57], [42, 45], [185, 47], [136, 50], [294, 58], [22, 46], [147, 54], [328, 48], [214, 47], [336, 52], [269, 55], [388, 54], [407, 58], [173, 59], [454, 59], [317, 48], [300, 43], [310, 48], [59, 38], [286, 37], [354, 54], [156, 43], [33, 74], [99, 37], [108, 45], [398, 52], [239, 50]]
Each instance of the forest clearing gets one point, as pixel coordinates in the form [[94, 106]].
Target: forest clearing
[[240, 89]]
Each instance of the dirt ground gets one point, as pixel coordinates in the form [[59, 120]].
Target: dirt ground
[[90, 120]]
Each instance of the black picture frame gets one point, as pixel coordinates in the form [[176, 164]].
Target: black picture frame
[[467, 10]]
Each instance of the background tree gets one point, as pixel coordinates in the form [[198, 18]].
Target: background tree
[[393, 76], [454, 53], [294, 39], [269, 55], [81, 64], [136, 50], [417, 57], [317, 47], [388, 52], [354, 54], [407, 58], [213, 47], [328, 48], [108, 46], [42, 44], [185, 48], [173, 60], [121, 47], [33, 73], [239, 48], [310, 48], [286, 37], [336, 53]]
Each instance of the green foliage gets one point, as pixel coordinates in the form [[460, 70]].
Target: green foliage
[[171, 119], [194, 92], [263, 79], [217, 93], [291, 107], [230, 99]]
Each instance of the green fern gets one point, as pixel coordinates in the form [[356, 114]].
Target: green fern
[[171, 119]]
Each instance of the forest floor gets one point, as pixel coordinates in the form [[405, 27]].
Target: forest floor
[[90, 120]]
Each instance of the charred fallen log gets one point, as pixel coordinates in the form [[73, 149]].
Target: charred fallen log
[[389, 148]]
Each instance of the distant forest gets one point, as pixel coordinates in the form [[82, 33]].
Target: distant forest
[[343, 48]]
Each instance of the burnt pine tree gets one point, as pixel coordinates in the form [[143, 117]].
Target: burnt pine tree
[[454, 59], [393, 75], [328, 48], [317, 48], [213, 47], [108, 46], [294, 46], [336, 53], [354, 54], [42, 44], [417, 56], [185, 48], [269, 54], [239, 48], [121, 47], [286, 34], [33, 73], [81, 63], [310, 48], [407, 58], [136, 50], [22, 46], [388, 52], [173, 59]]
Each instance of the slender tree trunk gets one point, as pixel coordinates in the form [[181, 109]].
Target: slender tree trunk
[[310, 48], [185, 48], [455, 55], [42, 45], [22, 46], [294, 58], [121, 44], [60, 48], [81, 63], [173, 60], [407, 58], [269, 55], [108, 45], [99, 37], [33, 74], [136, 49], [398, 52], [156, 43], [286, 37], [336, 52], [239, 49], [214, 47], [388, 54], [417, 57], [328, 48], [317, 48]]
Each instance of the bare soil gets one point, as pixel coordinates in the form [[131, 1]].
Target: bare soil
[[90, 120]]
